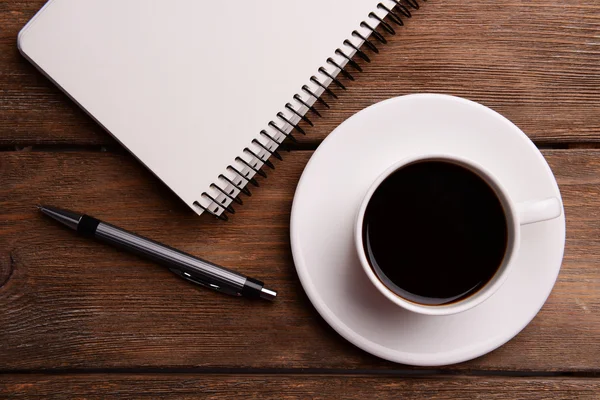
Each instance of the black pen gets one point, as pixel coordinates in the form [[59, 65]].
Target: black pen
[[188, 267]]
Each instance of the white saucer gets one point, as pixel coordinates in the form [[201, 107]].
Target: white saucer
[[333, 185]]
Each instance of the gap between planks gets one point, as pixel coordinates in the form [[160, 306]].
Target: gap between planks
[[413, 373], [62, 148]]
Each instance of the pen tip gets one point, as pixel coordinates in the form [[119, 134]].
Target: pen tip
[[268, 294], [39, 207]]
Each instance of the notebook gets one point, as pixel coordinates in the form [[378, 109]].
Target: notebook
[[204, 92]]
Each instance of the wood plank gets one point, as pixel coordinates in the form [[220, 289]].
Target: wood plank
[[537, 62], [182, 386], [72, 303]]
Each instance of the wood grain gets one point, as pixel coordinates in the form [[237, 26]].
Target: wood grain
[[213, 387], [537, 62], [73, 303], [82, 320]]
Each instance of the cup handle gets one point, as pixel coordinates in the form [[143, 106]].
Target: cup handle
[[538, 210]]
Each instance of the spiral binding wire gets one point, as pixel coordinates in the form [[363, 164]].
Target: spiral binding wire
[[280, 130]]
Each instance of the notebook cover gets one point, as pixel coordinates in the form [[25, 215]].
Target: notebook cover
[[186, 85]]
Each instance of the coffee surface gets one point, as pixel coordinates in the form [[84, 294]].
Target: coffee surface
[[435, 232]]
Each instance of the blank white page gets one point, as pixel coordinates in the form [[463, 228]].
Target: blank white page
[[186, 85]]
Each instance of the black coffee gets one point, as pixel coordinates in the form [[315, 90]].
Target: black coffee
[[434, 232]]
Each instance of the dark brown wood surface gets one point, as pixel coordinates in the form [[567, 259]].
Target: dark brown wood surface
[[278, 387], [79, 319], [537, 62], [71, 303]]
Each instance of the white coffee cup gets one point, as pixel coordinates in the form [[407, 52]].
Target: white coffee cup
[[516, 214]]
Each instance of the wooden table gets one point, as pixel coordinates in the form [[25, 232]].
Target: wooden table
[[78, 319]]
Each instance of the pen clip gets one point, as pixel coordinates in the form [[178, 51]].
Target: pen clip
[[199, 281]]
